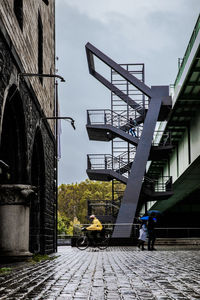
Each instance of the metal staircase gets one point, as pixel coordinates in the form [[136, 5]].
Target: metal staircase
[[105, 125], [105, 167], [110, 125]]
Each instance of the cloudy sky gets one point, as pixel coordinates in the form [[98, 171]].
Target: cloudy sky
[[154, 32]]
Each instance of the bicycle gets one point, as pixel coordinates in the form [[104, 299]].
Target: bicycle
[[101, 242]]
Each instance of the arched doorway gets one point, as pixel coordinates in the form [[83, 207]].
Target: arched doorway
[[13, 145], [37, 241]]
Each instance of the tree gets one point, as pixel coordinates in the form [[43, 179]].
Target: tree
[[63, 223], [72, 200]]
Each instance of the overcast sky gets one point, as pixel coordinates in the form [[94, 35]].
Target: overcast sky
[[154, 32]]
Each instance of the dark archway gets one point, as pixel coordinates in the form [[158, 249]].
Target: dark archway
[[13, 145], [37, 220]]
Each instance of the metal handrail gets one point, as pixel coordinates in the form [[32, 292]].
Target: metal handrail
[[107, 162], [160, 231], [188, 51], [117, 164], [137, 224], [161, 138], [161, 184], [109, 117]]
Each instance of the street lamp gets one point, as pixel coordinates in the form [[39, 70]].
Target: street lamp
[[56, 118]]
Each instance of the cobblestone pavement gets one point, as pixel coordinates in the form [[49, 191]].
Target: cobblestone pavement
[[112, 274]]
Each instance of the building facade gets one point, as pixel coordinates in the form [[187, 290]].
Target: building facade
[[27, 141], [183, 163]]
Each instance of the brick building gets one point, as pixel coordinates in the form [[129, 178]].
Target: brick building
[[27, 141]]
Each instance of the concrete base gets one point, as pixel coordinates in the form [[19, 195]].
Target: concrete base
[[14, 222], [14, 256]]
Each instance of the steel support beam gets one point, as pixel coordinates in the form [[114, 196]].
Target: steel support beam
[[118, 92], [90, 49], [131, 195]]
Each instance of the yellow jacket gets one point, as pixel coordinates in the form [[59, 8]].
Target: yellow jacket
[[96, 225]]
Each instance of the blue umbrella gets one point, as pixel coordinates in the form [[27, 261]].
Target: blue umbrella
[[145, 218], [157, 212]]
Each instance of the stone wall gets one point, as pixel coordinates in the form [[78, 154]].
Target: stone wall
[[19, 54]]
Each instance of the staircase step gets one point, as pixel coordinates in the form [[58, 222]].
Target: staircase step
[[178, 241]]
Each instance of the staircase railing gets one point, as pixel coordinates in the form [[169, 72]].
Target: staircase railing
[[103, 207], [109, 117], [107, 162], [162, 184], [117, 164], [161, 138], [161, 232], [188, 51]]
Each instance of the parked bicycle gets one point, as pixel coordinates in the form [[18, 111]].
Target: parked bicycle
[[101, 242]]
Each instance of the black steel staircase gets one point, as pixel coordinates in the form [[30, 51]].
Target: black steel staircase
[[105, 125], [105, 167], [108, 125]]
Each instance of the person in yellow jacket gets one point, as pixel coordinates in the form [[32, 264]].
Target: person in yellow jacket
[[96, 224], [95, 227]]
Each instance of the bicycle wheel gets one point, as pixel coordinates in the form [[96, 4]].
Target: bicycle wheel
[[82, 243], [103, 244]]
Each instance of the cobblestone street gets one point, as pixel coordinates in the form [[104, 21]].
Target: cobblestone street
[[112, 274]]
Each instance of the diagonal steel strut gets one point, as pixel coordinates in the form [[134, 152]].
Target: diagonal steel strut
[[92, 51], [131, 195]]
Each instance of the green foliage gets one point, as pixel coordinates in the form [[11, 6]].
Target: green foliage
[[62, 223], [5, 271], [40, 257], [72, 202]]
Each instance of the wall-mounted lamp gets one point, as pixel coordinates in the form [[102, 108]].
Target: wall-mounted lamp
[[61, 118], [41, 75]]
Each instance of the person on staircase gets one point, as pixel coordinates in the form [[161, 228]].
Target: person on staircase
[[132, 129]]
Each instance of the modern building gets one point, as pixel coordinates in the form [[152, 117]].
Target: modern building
[[155, 141], [27, 136]]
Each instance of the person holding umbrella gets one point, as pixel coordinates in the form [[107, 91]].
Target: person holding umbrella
[[143, 235], [151, 230]]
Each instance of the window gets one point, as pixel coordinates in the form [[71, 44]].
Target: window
[[40, 47], [18, 10]]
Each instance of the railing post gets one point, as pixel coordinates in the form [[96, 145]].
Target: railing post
[[105, 121], [88, 118], [88, 162], [106, 163]]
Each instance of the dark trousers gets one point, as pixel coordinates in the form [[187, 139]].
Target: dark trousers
[[141, 243], [151, 239], [93, 235]]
